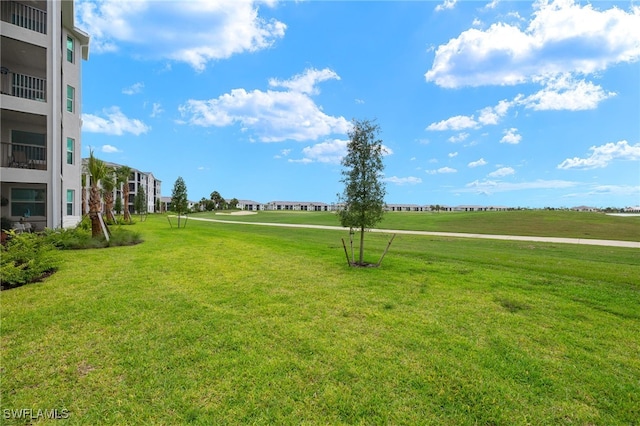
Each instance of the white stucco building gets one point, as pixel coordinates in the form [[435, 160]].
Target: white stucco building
[[40, 99]]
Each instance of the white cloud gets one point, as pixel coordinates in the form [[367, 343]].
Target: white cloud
[[615, 190], [330, 151], [453, 154], [480, 162], [492, 186], [133, 89], [273, 115], [410, 180], [492, 4], [441, 170], [307, 81], [156, 110], [459, 122], [448, 4], [562, 36], [458, 138], [200, 30], [283, 153], [562, 92], [501, 172], [492, 115], [511, 136], [602, 155], [486, 116], [115, 123], [109, 149]]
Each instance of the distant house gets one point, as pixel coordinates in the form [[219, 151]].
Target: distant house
[[635, 209], [250, 205], [298, 206], [406, 208], [165, 204], [585, 209]]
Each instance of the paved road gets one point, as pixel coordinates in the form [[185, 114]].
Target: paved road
[[584, 241]]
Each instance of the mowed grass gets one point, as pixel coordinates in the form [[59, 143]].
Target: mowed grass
[[541, 223], [235, 324]]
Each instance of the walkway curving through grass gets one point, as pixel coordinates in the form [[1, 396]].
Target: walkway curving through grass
[[582, 241]]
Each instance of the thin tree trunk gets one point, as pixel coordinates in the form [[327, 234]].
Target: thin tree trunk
[[127, 214], [362, 245]]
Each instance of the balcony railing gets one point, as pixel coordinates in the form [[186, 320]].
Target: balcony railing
[[23, 156], [22, 85], [24, 16]]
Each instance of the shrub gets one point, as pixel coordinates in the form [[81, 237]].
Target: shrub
[[80, 238], [123, 237], [76, 238], [26, 258]]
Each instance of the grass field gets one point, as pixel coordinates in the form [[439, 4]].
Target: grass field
[[227, 324], [539, 223]]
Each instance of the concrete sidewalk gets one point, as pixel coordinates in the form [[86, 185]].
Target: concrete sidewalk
[[582, 241]]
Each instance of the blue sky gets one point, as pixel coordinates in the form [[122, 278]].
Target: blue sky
[[491, 103]]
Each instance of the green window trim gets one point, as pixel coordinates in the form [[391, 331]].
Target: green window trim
[[71, 94], [70, 201], [70, 150], [70, 49]]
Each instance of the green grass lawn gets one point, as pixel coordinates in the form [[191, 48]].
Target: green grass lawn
[[539, 223], [227, 324]]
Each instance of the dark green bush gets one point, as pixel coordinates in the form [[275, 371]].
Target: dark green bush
[[26, 258]]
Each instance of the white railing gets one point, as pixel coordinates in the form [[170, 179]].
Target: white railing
[[23, 86], [24, 16]]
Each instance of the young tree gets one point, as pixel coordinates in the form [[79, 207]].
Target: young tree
[[364, 191], [233, 203], [123, 174], [179, 201], [97, 169], [140, 200]]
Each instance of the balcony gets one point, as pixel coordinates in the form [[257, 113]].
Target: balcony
[[23, 156], [22, 85], [24, 16]]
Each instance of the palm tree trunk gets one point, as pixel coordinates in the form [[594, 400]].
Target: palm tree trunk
[[108, 202], [94, 211]]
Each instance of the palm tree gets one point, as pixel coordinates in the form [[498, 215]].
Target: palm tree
[[97, 170], [108, 185], [123, 173]]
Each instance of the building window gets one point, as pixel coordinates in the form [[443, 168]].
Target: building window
[[70, 197], [70, 49], [71, 94], [26, 202], [70, 147]]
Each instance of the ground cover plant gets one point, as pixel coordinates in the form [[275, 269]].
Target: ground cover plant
[[226, 323], [541, 223]]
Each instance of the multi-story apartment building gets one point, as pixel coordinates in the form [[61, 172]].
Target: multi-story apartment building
[[138, 182], [40, 100]]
